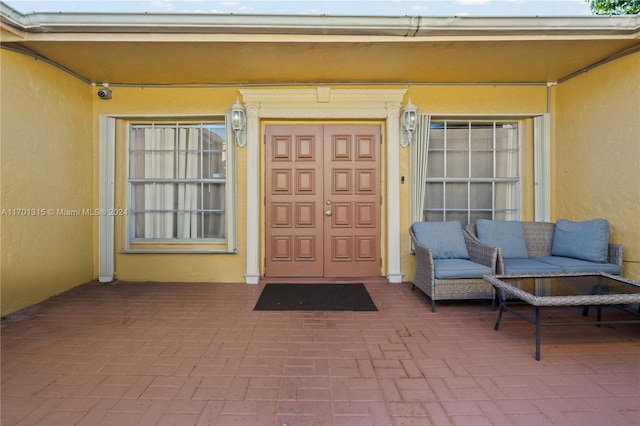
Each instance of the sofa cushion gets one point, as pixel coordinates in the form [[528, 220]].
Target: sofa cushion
[[569, 264], [507, 235], [445, 239], [587, 240], [526, 266], [451, 269]]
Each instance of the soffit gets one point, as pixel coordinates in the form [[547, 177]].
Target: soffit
[[283, 50], [366, 62]]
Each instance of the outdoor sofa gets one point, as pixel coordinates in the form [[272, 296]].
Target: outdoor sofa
[[450, 263], [549, 248]]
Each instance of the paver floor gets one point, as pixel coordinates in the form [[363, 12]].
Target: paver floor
[[197, 354]]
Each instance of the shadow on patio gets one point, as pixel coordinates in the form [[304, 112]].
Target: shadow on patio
[[191, 353]]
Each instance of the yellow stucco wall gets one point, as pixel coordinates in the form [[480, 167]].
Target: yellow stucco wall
[[47, 166], [597, 148]]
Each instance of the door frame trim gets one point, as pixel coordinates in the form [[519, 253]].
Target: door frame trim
[[323, 103]]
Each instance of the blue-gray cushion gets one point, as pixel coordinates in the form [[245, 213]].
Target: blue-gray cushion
[[507, 235], [526, 266], [587, 240], [445, 239], [453, 269], [569, 264]]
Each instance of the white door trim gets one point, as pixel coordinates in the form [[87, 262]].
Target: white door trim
[[323, 103]]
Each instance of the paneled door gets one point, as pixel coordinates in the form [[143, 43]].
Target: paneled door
[[322, 200]]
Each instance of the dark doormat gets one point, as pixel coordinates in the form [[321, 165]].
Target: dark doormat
[[315, 297]]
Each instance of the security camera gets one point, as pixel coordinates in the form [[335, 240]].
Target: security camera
[[104, 93]]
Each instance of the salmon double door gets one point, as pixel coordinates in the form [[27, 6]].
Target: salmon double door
[[322, 200]]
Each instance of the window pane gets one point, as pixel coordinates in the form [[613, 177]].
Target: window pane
[[215, 152], [481, 196], [456, 196], [436, 136], [507, 136], [163, 138], [213, 224], [214, 165], [213, 197], [435, 164], [137, 138], [457, 164], [136, 164], [434, 197], [482, 164], [457, 137], [506, 164], [482, 136], [505, 195]]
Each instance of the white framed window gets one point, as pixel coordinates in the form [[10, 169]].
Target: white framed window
[[180, 186], [472, 171]]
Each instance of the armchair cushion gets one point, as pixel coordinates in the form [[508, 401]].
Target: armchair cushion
[[445, 239], [452, 269], [581, 240], [507, 235]]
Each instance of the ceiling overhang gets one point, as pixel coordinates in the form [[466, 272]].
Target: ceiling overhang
[[210, 49]]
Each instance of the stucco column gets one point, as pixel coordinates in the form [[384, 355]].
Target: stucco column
[[252, 275], [394, 275], [106, 199]]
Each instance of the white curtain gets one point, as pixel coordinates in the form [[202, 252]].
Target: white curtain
[[419, 151], [159, 197], [506, 195], [188, 148]]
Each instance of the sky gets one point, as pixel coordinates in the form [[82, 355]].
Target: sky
[[330, 7]]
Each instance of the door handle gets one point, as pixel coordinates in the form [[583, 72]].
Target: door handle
[[327, 212]]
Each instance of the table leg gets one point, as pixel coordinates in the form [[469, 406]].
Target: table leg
[[501, 310], [538, 333]]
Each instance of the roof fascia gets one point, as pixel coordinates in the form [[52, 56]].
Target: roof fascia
[[324, 25]]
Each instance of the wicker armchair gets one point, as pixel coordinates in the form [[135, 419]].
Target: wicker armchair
[[454, 288]]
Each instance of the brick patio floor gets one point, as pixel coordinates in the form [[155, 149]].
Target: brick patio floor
[[197, 354]]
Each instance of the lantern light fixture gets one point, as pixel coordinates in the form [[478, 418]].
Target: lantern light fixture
[[238, 122], [409, 120]]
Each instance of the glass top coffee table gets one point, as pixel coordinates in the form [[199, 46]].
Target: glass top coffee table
[[580, 289]]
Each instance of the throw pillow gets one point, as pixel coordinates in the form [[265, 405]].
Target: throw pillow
[[588, 240], [507, 235], [445, 239]]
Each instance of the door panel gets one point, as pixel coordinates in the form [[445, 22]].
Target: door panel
[[353, 197], [322, 201], [294, 201]]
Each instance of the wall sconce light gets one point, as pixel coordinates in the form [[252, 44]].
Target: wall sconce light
[[409, 120], [238, 122]]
